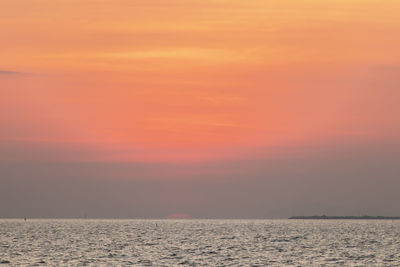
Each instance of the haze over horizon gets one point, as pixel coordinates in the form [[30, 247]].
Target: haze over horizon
[[214, 109]]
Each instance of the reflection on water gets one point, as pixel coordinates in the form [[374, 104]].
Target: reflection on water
[[199, 243]]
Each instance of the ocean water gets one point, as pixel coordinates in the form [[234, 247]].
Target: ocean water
[[199, 243]]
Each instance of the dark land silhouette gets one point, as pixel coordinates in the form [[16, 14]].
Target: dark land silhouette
[[324, 217]]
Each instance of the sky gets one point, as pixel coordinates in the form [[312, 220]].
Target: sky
[[213, 109]]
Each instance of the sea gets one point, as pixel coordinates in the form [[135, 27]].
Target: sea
[[100, 242]]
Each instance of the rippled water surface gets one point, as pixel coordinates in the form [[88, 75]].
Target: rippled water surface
[[199, 243]]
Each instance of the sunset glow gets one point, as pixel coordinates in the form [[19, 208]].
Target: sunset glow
[[177, 81]]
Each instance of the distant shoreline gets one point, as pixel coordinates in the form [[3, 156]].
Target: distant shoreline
[[324, 217]]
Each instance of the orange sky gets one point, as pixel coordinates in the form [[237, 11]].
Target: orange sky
[[128, 80]]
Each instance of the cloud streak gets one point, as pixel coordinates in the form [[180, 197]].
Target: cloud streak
[[8, 72]]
